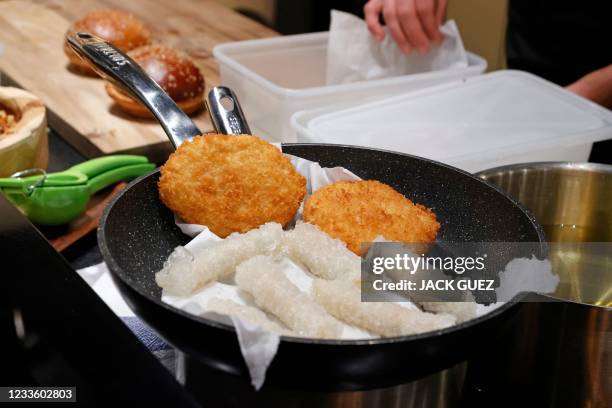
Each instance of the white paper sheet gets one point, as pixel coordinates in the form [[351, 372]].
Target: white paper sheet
[[353, 54], [258, 346]]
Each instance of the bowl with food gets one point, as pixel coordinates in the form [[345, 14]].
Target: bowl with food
[[23, 131]]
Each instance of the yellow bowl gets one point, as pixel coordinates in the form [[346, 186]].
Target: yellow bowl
[[25, 145]]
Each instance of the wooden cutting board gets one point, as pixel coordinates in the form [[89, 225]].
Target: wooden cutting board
[[32, 33]]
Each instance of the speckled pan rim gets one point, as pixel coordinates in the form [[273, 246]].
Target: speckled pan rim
[[118, 272]]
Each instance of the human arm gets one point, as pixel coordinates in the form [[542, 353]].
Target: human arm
[[596, 86]]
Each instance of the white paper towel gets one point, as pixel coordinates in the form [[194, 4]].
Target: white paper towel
[[258, 346], [353, 54], [99, 279]]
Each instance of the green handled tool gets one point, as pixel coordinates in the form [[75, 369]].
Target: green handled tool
[[58, 198]]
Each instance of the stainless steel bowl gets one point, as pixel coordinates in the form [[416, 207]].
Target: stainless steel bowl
[[573, 203], [562, 352]]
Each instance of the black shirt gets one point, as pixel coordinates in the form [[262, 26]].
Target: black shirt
[[560, 40]]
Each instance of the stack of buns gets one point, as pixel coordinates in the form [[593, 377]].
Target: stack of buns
[[173, 70]]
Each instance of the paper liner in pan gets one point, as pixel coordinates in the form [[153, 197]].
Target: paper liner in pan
[[259, 346]]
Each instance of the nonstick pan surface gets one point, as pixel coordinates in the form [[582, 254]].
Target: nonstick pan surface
[[137, 233]]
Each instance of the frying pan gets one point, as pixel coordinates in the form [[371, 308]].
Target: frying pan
[[137, 233]]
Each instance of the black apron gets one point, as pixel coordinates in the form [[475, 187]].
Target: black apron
[[561, 40]]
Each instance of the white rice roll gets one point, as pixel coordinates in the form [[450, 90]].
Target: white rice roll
[[246, 313], [324, 256], [184, 272], [272, 291], [342, 299]]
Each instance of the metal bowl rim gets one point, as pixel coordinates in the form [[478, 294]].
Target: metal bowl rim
[[552, 165]]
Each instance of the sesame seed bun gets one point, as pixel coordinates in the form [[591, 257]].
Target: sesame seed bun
[[173, 71], [120, 28]]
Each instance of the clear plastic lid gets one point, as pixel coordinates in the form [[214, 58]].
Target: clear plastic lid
[[507, 110]]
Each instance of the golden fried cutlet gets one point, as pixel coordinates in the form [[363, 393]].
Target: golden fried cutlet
[[359, 211], [231, 183]]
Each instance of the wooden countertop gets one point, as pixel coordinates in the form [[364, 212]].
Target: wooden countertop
[[33, 33]]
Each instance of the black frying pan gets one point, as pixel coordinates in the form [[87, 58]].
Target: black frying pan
[[137, 233]]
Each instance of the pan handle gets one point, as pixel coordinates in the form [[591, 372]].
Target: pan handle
[[225, 112], [122, 71]]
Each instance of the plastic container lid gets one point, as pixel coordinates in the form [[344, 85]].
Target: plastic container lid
[[276, 77], [499, 113]]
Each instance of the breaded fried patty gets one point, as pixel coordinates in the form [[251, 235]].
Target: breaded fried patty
[[359, 211], [231, 183]]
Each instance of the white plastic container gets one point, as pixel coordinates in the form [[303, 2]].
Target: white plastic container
[[275, 77], [482, 122]]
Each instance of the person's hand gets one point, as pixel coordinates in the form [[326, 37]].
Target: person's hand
[[414, 24]]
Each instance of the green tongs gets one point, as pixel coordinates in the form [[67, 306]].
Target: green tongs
[[58, 198]]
